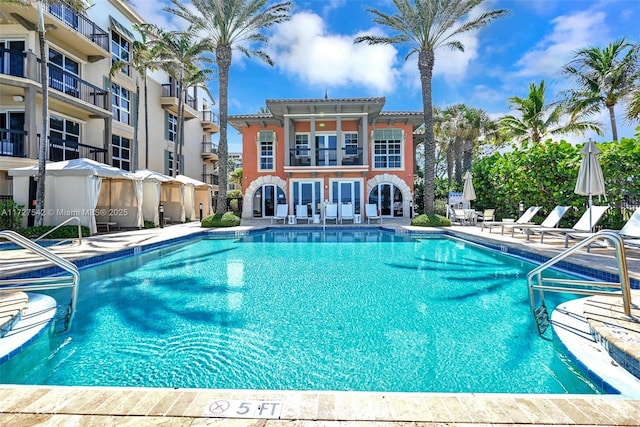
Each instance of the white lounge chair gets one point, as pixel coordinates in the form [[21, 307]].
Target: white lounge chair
[[281, 213], [525, 218], [371, 210], [583, 228], [302, 213], [630, 232], [346, 212], [331, 212], [551, 221]]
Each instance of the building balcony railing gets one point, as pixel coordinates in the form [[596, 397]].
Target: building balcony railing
[[60, 149], [210, 178], [209, 147], [209, 121], [301, 157], [74, 86], [171, 91], [12, 142], [14, 63], [68, 15]]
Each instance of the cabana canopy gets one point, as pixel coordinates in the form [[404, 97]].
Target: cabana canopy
[[76, 188], [159, 188], [196, 192]]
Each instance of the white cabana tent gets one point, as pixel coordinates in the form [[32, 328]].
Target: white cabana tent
[[90, 190], [196, 192], [159, 188]]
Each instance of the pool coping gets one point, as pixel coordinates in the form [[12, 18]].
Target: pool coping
[[607, 409]]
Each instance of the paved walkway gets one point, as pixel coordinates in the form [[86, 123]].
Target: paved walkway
[[61, 406]]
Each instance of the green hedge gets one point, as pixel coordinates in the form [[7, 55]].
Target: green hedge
[[430, 221], [227, 219], [64, 232]]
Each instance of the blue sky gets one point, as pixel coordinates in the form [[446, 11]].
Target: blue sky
[[314, 53]]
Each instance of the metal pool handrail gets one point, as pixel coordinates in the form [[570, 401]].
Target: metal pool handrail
[[60, 225], [583, 286], [43, 283]]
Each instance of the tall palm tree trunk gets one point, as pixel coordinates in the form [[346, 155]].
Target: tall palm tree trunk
[[177, 151], [614, 127], [44, 129], [425, 65], [223, 59], [136, 122], [459, 152]]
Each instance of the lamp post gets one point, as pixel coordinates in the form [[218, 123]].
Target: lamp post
[[161, 210], [521, 207], [201, 207]]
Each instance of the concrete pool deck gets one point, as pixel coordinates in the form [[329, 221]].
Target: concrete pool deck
[[44, 405]]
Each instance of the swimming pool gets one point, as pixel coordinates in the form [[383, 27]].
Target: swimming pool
[[343, 310]]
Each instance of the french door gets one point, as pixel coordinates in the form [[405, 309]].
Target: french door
[[308, 193], [326, 146], [388, 197], [346, 192]]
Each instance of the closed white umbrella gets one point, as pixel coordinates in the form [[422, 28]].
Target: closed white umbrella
[[590, 180], [468, 193]]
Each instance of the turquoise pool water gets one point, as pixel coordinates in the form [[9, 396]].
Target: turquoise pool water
[[325, 311]]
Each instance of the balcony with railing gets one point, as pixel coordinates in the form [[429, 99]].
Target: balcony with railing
[[209, 121], [209, 151], [301, 157], [80, 23], [210, 178], [65, 23], [61, 149], [169, 100], [12, 142], [15, 63], [72, 85]]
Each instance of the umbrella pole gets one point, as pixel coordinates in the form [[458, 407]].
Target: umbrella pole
[[590, 213]]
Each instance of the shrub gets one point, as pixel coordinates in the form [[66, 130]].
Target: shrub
[[11, 215], [149, 224], [64, 232], [430, 221], [227, 219]]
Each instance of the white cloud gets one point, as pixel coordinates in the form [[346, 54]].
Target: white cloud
[[570, 32], [303, 48]]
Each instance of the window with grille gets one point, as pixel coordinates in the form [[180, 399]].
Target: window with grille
[[387, 148], [266, 145], [121, 104], [121, 152]]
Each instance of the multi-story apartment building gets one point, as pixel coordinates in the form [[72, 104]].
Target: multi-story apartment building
[[310, 151], [92, 113]]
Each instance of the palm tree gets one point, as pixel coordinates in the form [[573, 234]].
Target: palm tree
[[231, 24], [179, 53], [602, 77], [633, 105], [537, 119], [75, 5], [426, 25]]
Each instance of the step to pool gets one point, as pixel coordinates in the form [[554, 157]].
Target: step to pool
[[12, 304], [572, 331], [36, 317]]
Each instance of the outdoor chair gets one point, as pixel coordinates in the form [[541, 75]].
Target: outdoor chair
[[281, 213], [630, 232], [346, 212], [371, 210], [525, 218], [331, 212], [302, 213], [461, 217], [486, 215], [551, 221], [582, 229]]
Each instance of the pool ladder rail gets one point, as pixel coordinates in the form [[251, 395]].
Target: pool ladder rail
[[69, 280], [538, 284]]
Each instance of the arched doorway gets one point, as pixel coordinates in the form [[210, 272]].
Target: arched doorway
[[265, 199], [389, 200]]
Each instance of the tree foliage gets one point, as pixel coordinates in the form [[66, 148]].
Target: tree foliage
[[545, 175]]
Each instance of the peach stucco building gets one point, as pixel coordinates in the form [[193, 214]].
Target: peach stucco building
[[313, 151]]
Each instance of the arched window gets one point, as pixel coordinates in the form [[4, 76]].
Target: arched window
[[389, 200], [265, 199]]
